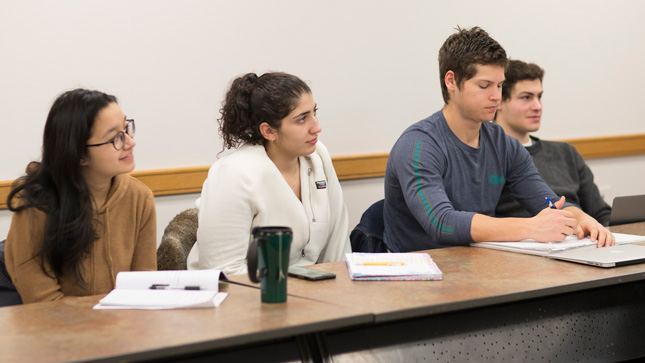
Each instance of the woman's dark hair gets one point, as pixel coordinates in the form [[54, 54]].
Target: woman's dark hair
[[252, 100], [56, 186]]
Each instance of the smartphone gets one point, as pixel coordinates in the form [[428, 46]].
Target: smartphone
[[309, 274]]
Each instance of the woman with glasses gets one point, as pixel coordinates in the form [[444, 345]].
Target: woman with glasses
[[79, 218], [279, 174]]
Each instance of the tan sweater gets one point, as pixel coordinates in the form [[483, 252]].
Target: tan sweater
[[126, 230]]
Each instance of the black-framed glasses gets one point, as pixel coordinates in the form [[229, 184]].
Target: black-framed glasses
[[118, 141]]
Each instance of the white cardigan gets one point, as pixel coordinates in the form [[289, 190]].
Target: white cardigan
[[245, 189]]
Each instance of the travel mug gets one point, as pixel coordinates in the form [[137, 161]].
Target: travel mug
[[268, 261]]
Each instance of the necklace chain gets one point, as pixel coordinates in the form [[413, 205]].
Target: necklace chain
[[295, 179], [294, 182]]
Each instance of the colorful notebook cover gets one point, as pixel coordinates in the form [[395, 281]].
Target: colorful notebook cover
[[391, 267]]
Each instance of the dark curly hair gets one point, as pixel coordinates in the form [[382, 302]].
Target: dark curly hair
[[252, 100], [463, 51]]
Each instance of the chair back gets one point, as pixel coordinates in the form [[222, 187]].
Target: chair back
[[367, 236], [8, 293], [178, 239]]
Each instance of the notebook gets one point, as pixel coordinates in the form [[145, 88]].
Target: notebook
[[613, 256], [627, 209], [165, 290], [542, 249], [391, 267]]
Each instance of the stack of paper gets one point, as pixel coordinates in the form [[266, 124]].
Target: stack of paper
[[392, 266], [164, 290], [622, 238], [534, 247]]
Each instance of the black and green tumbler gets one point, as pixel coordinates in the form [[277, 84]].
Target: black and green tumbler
[[268, 261]]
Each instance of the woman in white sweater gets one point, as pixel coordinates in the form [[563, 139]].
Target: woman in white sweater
[[279, 175]]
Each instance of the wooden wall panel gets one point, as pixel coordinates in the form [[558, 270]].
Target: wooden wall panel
[[190, 180]]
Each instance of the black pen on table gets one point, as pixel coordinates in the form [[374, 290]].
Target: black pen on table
[[168, 287]]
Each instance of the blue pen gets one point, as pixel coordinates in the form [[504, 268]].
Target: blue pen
[[551, 205]]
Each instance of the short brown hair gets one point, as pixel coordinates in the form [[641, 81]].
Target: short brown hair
[[463, 51], [519, 71]]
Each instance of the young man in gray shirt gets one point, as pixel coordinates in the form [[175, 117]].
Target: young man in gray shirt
[[446, 173], [559, 163]]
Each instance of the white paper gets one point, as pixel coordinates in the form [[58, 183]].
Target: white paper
[[160, 299], [133, 290], [622, 238], [532, 246], [141, 280]]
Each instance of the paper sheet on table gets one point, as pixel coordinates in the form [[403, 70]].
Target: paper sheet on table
[[544, 248], [160, 299]]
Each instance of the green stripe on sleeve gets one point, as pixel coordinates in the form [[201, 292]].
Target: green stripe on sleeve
[[421, 194]]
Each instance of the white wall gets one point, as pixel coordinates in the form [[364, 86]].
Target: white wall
[[371, 64]]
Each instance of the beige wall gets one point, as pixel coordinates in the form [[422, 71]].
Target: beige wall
[[371, 65]]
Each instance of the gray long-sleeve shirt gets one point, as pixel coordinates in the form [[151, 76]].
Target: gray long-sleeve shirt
[[434, 183], [564, 170]]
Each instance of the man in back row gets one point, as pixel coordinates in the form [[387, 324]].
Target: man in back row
[[446, 173], [560, 165]]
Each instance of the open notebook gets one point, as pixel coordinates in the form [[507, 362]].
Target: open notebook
[[540, 248], [165, 290]]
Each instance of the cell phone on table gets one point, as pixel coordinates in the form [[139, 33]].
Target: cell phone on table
[[309, 274]]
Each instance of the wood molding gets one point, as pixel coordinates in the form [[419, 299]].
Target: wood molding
[[609, 146], [360, 166], [174, 181], [190, 180], [5, 188]]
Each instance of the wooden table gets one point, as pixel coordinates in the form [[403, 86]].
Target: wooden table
[[490, 306], [524, 307], [70, 330]]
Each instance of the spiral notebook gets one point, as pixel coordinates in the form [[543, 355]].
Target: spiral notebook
[[392, 267]]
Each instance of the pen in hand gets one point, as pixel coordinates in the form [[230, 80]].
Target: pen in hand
[[168, 287], [551, 205]]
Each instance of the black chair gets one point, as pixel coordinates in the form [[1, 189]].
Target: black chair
[[367, 236], [8, 294]]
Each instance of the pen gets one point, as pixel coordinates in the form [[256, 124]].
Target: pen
[[551, 205], [396, 263], [168, 287]]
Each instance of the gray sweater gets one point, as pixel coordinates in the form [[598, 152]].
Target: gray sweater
[[564, 170], [434, 183]]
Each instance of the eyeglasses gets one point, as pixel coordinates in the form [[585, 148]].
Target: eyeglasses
[[118, 141]]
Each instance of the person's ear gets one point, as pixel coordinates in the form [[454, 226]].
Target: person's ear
[[84, 161], [451, 82], [268, 132]]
